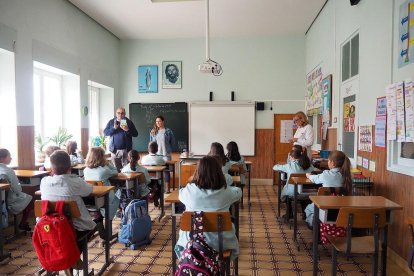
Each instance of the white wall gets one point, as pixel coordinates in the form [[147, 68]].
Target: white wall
[[56, 33], [256, 68]]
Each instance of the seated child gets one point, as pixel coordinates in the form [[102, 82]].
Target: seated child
[[17, 201], [133, 157], [100, 169], [209, 192], [48, 151], [234, 157], [217, 149], [74, 154], [152, 159]]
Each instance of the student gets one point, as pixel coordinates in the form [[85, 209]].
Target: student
[[217, 149], [209, 192], [75, 156], [338, 175], [99, 169], [132, 166], [152, 158], [234, 157], [48, 151], [17, 201], [227, 177]]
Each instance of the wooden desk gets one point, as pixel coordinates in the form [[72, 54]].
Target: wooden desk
[[171, 168], [103, 191], [159, 174], [131, 180], [3, 188], [33, 176], [78, 169], [336, 202], [173, 199]]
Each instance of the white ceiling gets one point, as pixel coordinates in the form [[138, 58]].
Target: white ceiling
[[142, 19]]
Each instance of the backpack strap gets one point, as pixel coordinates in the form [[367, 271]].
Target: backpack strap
[[45, 204], [59, 207], [196, 232]]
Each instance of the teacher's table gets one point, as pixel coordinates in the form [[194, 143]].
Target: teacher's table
[[173, 199], [103, 191], [336, 202], [3, 189], [131, 180], [159, 174]]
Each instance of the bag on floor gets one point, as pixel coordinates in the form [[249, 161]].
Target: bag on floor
[[198, 258], [54, 239], [136, 225]]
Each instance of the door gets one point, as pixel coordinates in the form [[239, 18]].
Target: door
[[284, 128]]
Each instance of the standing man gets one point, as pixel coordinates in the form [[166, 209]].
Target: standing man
[[121, 130]]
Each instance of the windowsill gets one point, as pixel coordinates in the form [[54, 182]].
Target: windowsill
[[401, 169]]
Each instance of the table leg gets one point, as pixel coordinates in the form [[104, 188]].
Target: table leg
[[384, 245], [279, 191], [179, 173], [248, 187], [108, 234], [162, 196], [136, 188], [295, 216], [173, 241], [8, 254], [315, 239], [172, 167]]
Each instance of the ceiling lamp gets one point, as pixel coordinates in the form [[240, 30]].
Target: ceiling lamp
[[209, 66]]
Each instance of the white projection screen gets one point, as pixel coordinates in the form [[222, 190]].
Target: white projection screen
[[222, 122]]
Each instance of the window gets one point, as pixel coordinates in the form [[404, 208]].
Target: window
[[350, 58], [400, 157], [93, 111]]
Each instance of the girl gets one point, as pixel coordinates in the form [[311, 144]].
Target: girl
[[209, 192], [48, 151], [217, 149], [235, 158], [338, 175], [304, 133], [75, 156], [133, 157], [17, 201], [99, 169]]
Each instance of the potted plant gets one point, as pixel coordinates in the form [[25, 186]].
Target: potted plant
[[61, 137], [40, 143], [99, 141]]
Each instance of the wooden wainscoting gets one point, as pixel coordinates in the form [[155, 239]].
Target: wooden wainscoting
[[263, 159], [25, 147], [84, 141]]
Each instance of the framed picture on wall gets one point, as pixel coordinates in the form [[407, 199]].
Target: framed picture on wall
[[171, 74], [148, 79]]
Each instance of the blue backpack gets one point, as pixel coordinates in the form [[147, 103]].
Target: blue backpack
[[136, 225]]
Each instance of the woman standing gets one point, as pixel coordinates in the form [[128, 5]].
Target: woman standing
[[304, 134], [165, 140]]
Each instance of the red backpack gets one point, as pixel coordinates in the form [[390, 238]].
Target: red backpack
[[54, 239]]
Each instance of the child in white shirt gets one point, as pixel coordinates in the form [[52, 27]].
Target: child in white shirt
[[132, 166], [152, 159]]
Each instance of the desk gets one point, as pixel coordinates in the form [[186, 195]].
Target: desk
[[159, 171], [171, 168], [173, 199], [78, 169], [131, 180], [3, 188], [33, 176], [336, 202], [103, 191]]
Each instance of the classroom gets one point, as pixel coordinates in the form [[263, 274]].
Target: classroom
[[233, 70]]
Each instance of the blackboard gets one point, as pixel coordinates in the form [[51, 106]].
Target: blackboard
[[176, 118]]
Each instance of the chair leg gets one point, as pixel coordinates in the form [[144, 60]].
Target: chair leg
[[85, 257], [16, 225], [334, 261], [228, 267], [236, 266], [375, 264]]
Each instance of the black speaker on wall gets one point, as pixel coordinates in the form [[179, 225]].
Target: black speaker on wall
[[260, 106], [354, 2]]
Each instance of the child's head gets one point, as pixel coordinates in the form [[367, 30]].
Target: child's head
[[51, 149], [5, 157], [133, 157], [297, 153], [217, 149], [208, 174], [71, 147], [60, 161], [96, 158], [233, 151], [338, 159], [153, 147]]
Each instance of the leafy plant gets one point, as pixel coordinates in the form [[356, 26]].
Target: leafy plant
[[99, 141], [61, 137], [40, 142]]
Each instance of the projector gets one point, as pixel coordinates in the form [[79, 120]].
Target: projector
[[210, 66]]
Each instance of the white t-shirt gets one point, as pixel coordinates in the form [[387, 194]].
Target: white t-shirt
[[305, 138]]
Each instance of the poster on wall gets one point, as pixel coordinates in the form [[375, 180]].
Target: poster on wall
[[314, 91], [326, 104], [349, 117], [399, 95], [409, 110], [171, 74], [391, 112], [381, 122], [148, 78], [406, 33], [286, 133], [365, 138]]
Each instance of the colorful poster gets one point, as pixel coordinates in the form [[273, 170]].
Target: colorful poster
[[399, 95], [365, 138], [349, 117], [148, 78], [381, 107], [409, 110], [391, 112], [314, 90], [381, 122], [406, 34]]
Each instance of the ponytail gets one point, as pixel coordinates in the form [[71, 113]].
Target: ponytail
[[301, 156], [133, 159], [344, 164]]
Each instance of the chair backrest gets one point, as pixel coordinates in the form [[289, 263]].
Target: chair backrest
[[361, 217], [70, 208], [237, 169], [327, 191], [410, 258], [209, 221], [290, 180], [95, 183], [4, 180]]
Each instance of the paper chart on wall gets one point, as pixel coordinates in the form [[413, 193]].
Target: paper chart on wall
[[286, 131], [365, 138], [391, 112], [399, 94], [409, 110]]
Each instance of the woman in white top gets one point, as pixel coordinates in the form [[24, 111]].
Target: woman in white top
[[304, 134]]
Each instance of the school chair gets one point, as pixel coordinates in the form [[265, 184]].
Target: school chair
[[214, 222], [238, 169], [410, 258], [327, 191], [357, 218], [71, 210]]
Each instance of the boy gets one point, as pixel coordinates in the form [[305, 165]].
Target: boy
[[152, 159]]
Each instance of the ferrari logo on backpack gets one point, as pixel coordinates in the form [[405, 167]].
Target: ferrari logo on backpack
[[46, 227]]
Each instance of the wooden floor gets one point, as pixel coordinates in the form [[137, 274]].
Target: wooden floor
[[266, 248]]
